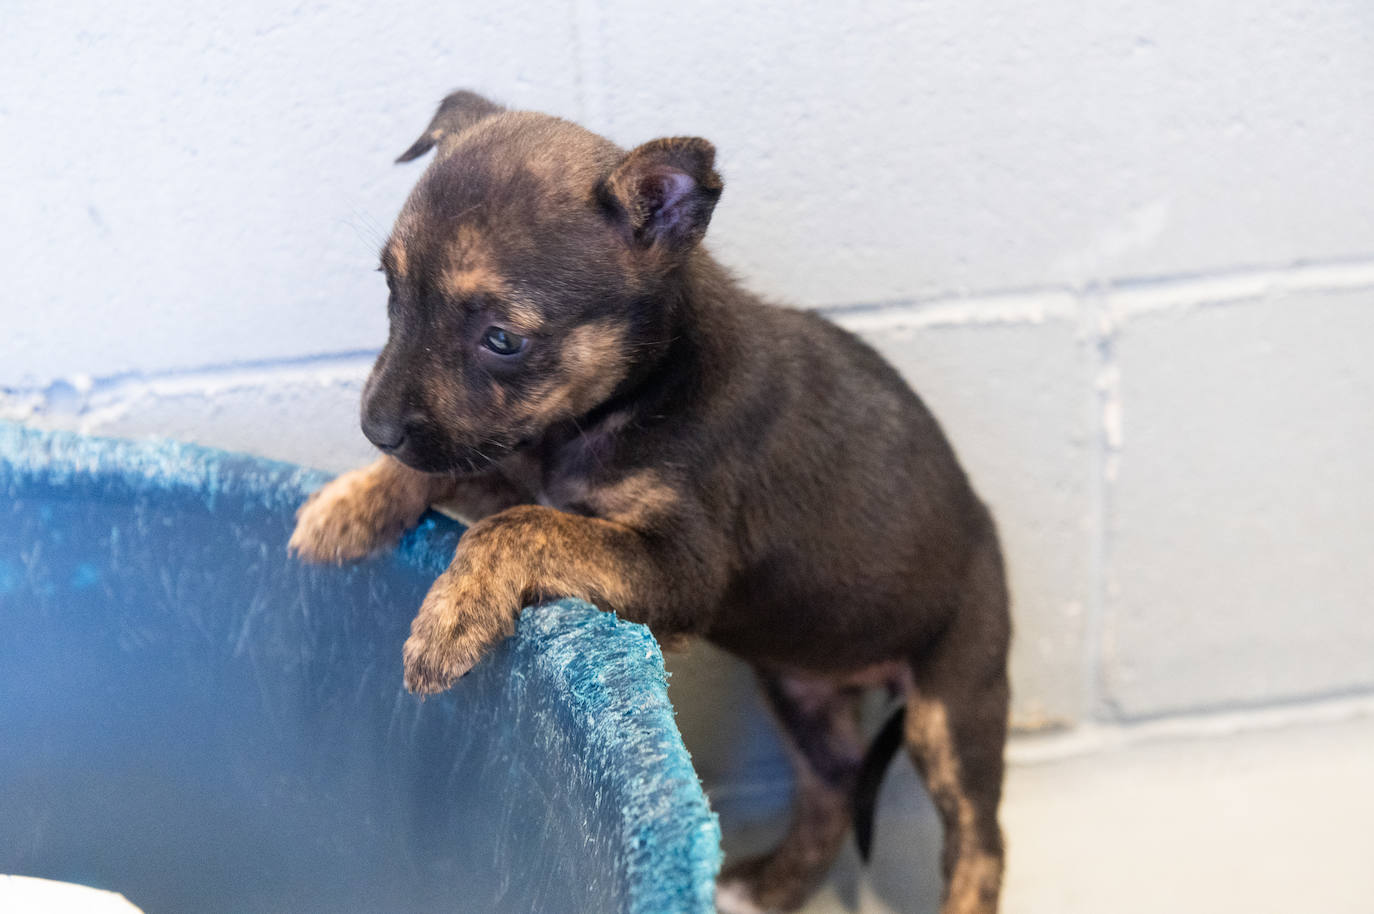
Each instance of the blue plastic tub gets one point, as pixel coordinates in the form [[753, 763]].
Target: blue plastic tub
[[191, 718]]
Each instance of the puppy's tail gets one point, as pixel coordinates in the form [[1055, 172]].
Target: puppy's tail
[[871, 771]]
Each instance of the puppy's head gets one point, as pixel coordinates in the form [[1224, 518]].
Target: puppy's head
[[529, 275]]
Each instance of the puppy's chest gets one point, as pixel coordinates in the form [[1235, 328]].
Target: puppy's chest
[[574, 494]]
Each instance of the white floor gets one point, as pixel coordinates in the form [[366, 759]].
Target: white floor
[[1275, 821]]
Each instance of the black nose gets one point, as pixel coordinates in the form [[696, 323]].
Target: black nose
[[387, 434]]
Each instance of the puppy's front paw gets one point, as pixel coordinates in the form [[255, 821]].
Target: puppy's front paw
[[346, 520], [456, 626]]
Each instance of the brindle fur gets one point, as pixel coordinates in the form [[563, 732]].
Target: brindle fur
[[673, 449]]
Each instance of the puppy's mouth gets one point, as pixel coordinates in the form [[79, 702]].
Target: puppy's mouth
[[456, 460], [471, 463], [426, 446], [462, 464]]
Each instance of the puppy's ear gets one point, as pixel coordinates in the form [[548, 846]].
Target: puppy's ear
[[663, 192], [457, 112]]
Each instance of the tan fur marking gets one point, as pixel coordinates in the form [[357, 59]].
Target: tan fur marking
[[521, 317], [472, 272], [635, 501], [593, 364], [469, 267], [396, 253], [974, 883], [591, 348], [974, 887], [461, 284]]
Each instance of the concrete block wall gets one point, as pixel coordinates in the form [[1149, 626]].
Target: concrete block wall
[[1124, 250]]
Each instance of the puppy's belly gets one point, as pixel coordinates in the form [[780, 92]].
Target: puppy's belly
[[825, 634]]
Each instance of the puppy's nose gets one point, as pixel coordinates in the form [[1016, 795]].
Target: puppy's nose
[[386, 434]]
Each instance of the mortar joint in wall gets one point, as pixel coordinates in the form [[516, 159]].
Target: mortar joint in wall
[[1098, 736], [1101, 328]]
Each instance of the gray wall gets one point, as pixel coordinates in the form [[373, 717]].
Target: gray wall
[[1125, 251]]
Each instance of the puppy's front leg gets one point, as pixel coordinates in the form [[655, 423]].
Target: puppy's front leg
[[364, 510], [530, 552]]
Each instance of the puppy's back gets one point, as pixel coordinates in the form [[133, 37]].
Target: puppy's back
[[853, 511]]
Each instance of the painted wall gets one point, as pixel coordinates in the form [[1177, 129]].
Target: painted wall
[[1125, 251]]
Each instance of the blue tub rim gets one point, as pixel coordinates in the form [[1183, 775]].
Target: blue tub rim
[[673, 833]]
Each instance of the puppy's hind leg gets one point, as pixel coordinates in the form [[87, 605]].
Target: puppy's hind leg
[[820, 724], [956, 728]]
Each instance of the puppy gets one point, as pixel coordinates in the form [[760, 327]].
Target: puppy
[[616, 419]]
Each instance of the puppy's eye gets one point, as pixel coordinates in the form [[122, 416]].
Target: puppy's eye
[[502, 342]]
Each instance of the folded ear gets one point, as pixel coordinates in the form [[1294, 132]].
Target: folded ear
[[457, 112], [663, 192]]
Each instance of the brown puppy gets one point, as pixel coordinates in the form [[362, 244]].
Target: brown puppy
[[570, 372]]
